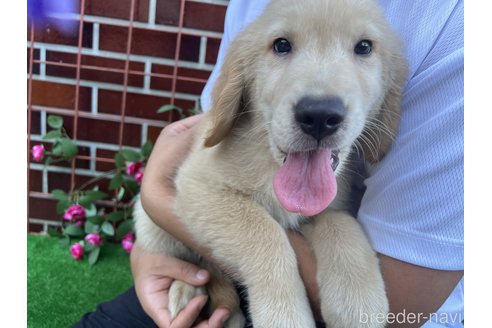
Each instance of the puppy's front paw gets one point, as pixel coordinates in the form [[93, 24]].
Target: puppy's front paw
[[180, 294]]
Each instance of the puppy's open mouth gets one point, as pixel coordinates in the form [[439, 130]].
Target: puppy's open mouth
[[305, 183]]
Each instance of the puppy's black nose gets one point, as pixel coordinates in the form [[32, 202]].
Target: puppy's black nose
[[320, 117]]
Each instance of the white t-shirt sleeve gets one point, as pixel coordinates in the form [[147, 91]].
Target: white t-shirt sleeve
[[412, 209]]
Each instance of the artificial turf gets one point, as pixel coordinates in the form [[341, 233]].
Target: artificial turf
[[60, 289]]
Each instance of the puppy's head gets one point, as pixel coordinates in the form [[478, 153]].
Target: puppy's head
[[318, 76]]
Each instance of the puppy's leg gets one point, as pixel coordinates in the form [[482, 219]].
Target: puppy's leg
[[350, 281], [248, 241], [223, 294]]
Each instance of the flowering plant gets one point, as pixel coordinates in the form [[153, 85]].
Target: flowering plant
[[92, 217]]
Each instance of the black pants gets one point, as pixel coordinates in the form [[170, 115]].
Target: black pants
[[126, 311]]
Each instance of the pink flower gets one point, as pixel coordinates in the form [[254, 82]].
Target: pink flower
[[37, 153], [77, 251], [93, 239], [127, 242], [139, 176], [74, 212], [133, 168]]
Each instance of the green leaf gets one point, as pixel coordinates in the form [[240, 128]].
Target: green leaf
[[116, 182], [73, 230], [53, 134], [130, 155], [59, 194], [55, 121], [54, 232], [119, 161], [124, 228], [90, 210], [94, 195], [115, 216], [94, 255], [57, 148], [90, 227], [69, 148], [147, 149], [62, 205], [169, 107], [107, 228], [132, 186], [121, 193], [96, 219]]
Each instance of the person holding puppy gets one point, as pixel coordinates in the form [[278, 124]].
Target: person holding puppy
[[412, 209]]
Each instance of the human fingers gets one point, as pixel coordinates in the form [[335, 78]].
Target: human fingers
[[183, 125], [187, 316]]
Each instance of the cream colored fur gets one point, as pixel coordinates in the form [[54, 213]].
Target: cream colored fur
[[224, 188]]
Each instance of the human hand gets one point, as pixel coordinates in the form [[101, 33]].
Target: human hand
[[153, 275]]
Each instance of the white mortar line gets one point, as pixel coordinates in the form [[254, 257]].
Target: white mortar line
[[43, 123], [145, 128], [94, 99], [92, 153], [44, 180], [152, 12], [147, 71], [42, 59], [113, 87], [141, 25], [214, 2], [121, 56], [203, 50], [95, 38]]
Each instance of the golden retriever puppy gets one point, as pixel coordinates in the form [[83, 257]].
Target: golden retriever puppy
[[302, 86]]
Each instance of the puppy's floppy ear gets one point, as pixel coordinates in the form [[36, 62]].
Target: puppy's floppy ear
[[378, 136], [228, 93]]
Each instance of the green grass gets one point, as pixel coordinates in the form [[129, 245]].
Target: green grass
[[60, 290]]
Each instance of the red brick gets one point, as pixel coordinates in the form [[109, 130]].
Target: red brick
[[212, 50], [50, 34], [148, 42], [167, 12], [35, 180], [100, 71], [204, 16], [41, 208], [60, 95], [193, 87], [138, 105], [105, 166], [118, 9], [35, 122], [35, 227], [153, 132], [60, 180]]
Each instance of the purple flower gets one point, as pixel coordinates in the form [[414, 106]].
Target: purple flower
[[37, 152], [127, 242], [42, 12], [75, 212], [133, 168], [93, 239], [77, 251], [139, 176]]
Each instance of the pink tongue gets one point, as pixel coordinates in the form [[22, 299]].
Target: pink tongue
[[305, 183]]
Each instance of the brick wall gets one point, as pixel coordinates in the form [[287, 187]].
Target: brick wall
[[127, 70]]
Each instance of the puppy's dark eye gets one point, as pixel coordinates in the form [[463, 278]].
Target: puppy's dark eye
[[363, 48], [281, 46]]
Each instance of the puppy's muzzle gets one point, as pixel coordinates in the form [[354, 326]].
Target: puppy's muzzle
[[320, 117]]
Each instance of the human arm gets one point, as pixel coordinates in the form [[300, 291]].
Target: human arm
[[152, 273]]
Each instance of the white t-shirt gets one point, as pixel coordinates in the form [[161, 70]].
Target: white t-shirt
[[412, 209]]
